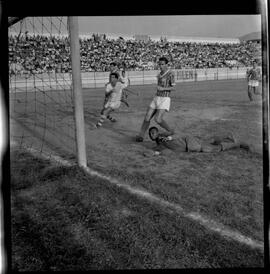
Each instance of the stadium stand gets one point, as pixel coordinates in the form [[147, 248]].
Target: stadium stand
[[251, 37], [38, 54]]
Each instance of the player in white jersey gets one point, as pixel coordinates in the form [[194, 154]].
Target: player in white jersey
[[114, 93], [253, 78], [126, 83], [125, 79], [113, 69]]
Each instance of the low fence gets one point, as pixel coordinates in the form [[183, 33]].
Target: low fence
[[49, 81]]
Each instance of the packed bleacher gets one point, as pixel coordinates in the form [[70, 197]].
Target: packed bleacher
[[38, 54]]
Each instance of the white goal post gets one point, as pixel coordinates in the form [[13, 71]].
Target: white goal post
[[46, 108], [77, 90]]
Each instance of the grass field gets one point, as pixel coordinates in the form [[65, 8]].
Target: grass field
[[111, 229]]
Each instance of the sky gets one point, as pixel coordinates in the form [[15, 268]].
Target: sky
[[225, 26], [203, 26]]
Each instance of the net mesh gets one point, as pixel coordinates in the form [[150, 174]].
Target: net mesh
[[41, 97]]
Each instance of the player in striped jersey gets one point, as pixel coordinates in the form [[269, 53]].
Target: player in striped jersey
[[253, 77], [161, 102]]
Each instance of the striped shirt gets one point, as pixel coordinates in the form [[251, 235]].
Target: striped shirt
[[167, 79], [254, 74]]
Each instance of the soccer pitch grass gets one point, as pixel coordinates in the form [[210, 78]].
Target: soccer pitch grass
[[62, 219], [225, 187]]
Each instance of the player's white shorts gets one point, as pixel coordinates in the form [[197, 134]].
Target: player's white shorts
[[161, 103], [253, 83], [113, 104]]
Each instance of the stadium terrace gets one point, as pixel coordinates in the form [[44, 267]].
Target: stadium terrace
[[33, 52]]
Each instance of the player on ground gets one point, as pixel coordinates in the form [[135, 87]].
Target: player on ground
[[113, 93], [253, 77], [161, 102], [166, 145]]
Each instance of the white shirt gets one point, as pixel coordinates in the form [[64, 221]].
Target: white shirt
[[125, 80], [116, 91]]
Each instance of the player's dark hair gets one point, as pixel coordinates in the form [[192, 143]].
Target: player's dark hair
[[112, 64], [163, 58], [115, 74], [149, 132]]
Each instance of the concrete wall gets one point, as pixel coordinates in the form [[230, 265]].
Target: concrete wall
[[50, 81]]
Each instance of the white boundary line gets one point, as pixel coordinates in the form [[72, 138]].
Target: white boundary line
[[207, 223]]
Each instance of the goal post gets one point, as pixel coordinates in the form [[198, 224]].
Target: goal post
[[77, 90], [45, 87]]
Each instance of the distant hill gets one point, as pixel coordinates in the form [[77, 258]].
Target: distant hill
[[251, 36]]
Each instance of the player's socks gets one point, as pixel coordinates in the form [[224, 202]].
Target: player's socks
[[111, 118], [100, 122], [98, 125]]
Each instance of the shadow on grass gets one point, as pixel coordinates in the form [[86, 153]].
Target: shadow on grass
[[67, 220]]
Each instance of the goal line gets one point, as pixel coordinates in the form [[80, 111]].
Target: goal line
[[208, 223]]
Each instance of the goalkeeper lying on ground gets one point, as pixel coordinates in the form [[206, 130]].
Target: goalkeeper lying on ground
[[166, 145]]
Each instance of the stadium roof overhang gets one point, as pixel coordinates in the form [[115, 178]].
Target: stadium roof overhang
[[14, 20]]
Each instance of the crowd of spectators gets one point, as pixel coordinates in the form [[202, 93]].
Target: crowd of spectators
[[38, 54]]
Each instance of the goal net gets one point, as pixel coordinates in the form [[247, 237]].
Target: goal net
[[40, 86]]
